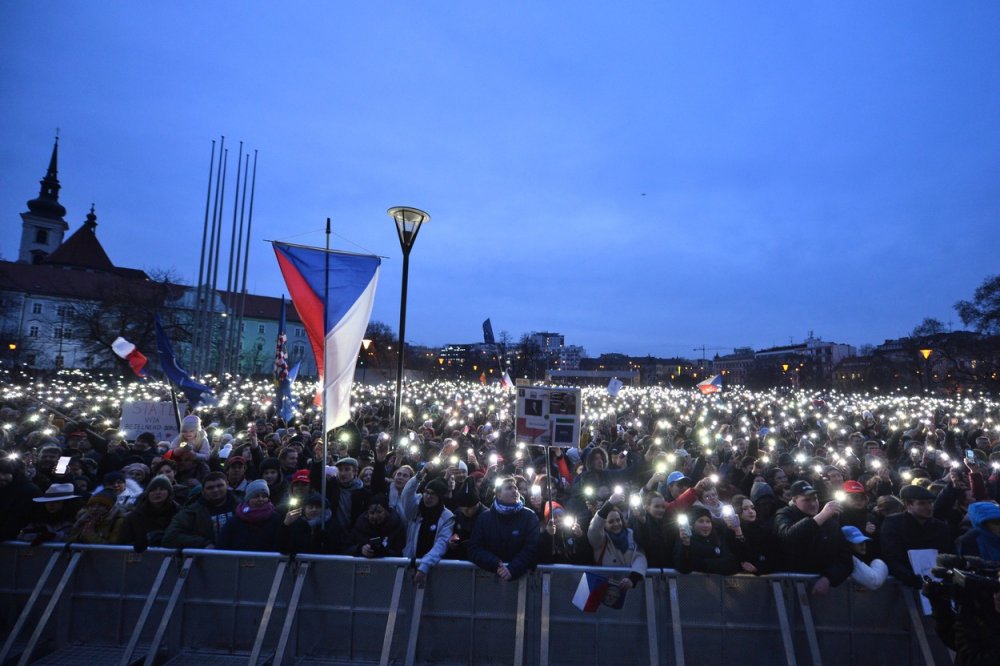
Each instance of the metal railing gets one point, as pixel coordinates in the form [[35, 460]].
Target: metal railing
[[253, 608]]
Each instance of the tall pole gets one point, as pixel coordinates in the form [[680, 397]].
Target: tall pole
[[246, 258], [397, 413], [326, 435], [229, 301], [408, 222], [201, 267]]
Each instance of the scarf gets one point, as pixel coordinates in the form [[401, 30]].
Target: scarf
[[318, 520], [620, 540], [507, 509], [429, 516], [344, 501], [253, 516]]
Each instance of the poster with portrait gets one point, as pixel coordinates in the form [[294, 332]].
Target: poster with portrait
[[548, 415]]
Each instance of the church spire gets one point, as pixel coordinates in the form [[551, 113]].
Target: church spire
[[47, 205]]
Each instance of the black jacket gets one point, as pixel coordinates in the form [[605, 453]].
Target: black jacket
[[808, 547], [505, 538], [902, 532]]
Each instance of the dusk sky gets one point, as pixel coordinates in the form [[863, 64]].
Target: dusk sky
[[644, 178]]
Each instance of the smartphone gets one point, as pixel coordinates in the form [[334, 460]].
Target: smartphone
[[970, 455], [62, 465]]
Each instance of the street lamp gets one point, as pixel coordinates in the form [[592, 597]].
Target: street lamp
[[926, 353], [365, 344], [408, 222]]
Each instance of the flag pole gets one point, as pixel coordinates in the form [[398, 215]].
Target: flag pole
[[177, 409], [326, 434]]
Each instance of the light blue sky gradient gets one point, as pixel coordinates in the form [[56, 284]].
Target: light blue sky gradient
[[642, 177]]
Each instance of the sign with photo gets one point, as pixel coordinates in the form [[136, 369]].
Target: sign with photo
[[548, 415]]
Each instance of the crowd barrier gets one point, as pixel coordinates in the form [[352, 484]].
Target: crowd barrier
[[108, 604]]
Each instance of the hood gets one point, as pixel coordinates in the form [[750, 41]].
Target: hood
[[981, 512]]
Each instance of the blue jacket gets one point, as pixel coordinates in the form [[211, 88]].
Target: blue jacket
[[511, 539]]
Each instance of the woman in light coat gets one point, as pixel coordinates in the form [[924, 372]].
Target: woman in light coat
[[429, 525]]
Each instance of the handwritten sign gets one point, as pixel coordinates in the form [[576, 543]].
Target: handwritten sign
[[152, 416]]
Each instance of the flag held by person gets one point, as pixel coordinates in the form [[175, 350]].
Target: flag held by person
[[335, 319], [128, 352], [174, 372], [281, 384], [711, 385], [614, 386]]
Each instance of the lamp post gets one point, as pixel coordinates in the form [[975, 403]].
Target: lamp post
[[408, 222]]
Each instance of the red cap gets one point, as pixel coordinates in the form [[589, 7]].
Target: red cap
[[852, 487], [301, 476]]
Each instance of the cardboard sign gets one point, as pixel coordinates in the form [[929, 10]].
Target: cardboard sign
[[152, 416]]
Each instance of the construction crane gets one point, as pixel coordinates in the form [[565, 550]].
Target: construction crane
[[704, 349]]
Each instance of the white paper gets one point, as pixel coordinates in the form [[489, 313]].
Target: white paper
[[922, 560]]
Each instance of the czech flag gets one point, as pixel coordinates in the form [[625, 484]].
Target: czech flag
[[709, 386], [335, 338], [590, 592]]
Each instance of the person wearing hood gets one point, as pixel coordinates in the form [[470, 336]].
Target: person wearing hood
[[193, 437], [255, 523], [983, 540], [704, 547], [765, 502], [16, 494], [146, 524], [429, 525], [614, 544], [200, 522], [311, 529], [505, 538], [467, 509], [753, 545]]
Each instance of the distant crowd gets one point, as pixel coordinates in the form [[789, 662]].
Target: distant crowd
[[840, 486]]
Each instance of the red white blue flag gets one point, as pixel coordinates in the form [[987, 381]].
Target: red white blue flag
[[336, 325], [713, 385]]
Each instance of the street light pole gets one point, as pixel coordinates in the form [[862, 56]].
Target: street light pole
[[408, 221]]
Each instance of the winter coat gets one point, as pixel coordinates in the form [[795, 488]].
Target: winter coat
[[197, 525], [410, 505], [391, 530], [809, 547], [301, 537], [16, 506], [145, 525], [606, 554], [709, 554], [902, 532], [201, 446], [505, 538], [759, 547], [242, 534]]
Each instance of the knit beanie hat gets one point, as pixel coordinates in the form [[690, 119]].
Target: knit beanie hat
[[437, 486], [257, 487], [270, 463], [759, 490], [191, 422], [161, 482]]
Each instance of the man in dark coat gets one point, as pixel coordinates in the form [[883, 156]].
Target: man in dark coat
[[505, 538], [914, 529], [346, 494], [200, 522], [811, 540]]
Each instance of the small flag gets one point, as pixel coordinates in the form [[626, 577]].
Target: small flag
[[283, 389], [614, 386], [128, 351], [713, 385], [488, 333], [590, 592], [482, 379]]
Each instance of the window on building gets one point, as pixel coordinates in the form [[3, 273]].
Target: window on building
[[243, 326], [36, 308], [41, 236], [260, 328], [33, 332], [65, 311], [260, 346], [298, 351], [300, 332], [57, 332]]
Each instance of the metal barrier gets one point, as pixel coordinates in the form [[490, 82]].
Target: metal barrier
[[111, 605]]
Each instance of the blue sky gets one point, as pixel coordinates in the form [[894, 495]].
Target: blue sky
[[642, 177]]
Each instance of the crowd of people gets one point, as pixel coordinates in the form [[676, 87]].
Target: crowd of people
[[839, 486]]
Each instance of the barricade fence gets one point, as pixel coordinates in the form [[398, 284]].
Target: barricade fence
[[108, 604]]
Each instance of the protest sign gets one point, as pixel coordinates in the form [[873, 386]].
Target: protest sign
[[152, 416]]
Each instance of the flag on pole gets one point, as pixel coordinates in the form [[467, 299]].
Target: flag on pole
[[128, 351], [590, 592], [335, 338], [488, 333], [281, 384], [712, 385], [482, 378], [614, 386], [506, 381], [174, 372]]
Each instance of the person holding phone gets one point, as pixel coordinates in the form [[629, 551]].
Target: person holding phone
[[378, 532]]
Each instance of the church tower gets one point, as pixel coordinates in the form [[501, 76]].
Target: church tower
[[43, 225]]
